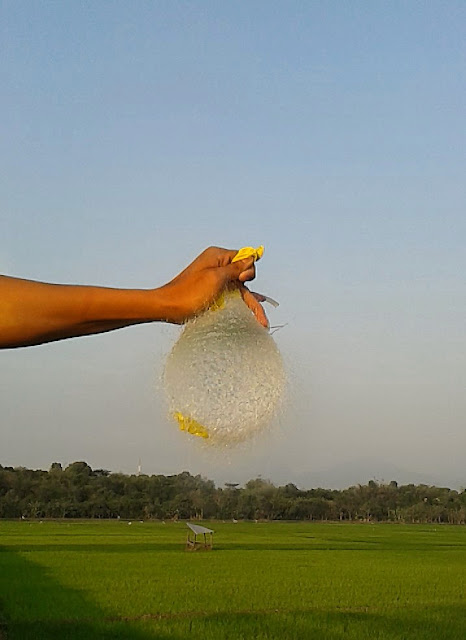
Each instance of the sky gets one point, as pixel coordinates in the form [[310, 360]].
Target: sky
[[134, 135]]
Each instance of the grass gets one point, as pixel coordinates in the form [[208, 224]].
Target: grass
[[262, 581]]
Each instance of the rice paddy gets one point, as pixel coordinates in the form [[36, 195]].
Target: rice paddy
[[110, 579]]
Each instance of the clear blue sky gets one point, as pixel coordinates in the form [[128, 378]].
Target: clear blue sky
[[136, 134]]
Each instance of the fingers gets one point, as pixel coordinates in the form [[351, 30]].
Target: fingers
[[215, 257], [243, 270], [252, 301], [249, 272]]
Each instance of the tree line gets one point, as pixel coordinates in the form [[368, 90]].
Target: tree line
[[78, 491]]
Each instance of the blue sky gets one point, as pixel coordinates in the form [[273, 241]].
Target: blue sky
[[136, 134]]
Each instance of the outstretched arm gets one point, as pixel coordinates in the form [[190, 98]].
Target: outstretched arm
[[35, 312]]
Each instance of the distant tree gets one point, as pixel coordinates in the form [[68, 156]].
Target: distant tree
[[78, 469], [101, 473], [78, 491]]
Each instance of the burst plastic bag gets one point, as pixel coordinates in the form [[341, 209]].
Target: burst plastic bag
[[224, 377]]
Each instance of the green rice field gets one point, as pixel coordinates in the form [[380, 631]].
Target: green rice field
[[110, 580]]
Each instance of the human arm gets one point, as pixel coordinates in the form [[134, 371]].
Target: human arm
[[36, 312]]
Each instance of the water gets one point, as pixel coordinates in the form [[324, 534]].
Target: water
[[224, 376]]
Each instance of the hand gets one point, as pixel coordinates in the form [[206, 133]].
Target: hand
[[197, 286], [36, 312]]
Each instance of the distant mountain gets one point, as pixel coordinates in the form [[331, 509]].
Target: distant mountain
[[360, 471], [347, 474]]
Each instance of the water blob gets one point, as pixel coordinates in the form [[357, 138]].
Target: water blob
[[224, 377]]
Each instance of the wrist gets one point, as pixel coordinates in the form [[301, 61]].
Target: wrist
[[165, 305]]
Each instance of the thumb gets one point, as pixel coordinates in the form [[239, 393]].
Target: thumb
[[242, 270]]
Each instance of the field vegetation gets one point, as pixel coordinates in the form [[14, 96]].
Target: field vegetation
[[267, 580]]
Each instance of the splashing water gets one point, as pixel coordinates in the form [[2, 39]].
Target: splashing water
[[224, 377]]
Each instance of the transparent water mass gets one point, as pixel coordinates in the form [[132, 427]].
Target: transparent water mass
[[225, 374]]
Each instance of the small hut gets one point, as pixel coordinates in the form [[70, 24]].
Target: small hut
[[206, 541]]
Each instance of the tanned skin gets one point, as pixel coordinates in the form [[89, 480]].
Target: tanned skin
[[33, 313]]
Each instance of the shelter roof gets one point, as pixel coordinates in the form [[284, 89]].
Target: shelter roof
[[197, 529]]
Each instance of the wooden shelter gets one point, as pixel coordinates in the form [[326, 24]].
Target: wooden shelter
[[206, 541]]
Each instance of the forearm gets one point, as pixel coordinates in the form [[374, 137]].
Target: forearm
[[35, 312]]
